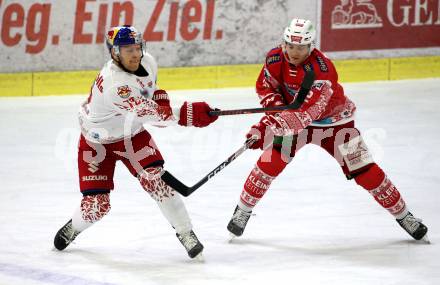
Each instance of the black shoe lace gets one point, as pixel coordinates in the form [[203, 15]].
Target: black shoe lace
[[410, 223], [240, 218], [189, 240]]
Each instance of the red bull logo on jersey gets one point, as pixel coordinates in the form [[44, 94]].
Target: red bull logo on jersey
[[124, 91]]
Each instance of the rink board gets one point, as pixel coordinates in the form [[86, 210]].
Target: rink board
[[222, 76]]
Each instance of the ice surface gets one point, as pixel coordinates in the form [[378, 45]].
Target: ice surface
[[312, 227]]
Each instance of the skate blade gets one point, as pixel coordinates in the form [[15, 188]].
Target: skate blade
[[231, 237], [199, 257], [425, 239]]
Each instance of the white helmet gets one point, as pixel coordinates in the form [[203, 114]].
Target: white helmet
[[300, 32]]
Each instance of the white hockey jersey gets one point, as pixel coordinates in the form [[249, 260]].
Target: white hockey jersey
[[120, 103]]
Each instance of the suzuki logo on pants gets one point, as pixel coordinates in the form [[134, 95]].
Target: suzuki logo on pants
[[95, 178], [93, 166]]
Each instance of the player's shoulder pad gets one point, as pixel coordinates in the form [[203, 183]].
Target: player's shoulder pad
[[111, 75], [120, 84], [322, 61], [274, 56], [148, 61]]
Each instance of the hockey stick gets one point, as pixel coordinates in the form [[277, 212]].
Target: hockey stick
[[174, 183], [306, 85]]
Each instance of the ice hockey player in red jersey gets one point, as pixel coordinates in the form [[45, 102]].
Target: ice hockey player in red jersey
[[325, 119], [123, 98]]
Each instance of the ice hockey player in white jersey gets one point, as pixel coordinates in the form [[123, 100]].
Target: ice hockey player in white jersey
[[122, 99]]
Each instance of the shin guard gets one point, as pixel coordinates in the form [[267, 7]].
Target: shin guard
[[260, 178], [382, 189], [93, 208], [170, 204]]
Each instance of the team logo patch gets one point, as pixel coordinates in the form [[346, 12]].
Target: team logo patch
[[307, 67], [322, 65], [319, 84], [124, 91], [273, 59], [296, 39], [355, 153]]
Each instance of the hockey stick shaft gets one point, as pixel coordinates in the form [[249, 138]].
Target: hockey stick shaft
[[306, 85], [174, 183]]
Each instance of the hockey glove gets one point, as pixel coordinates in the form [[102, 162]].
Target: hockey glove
[[286, 123], [272, 100], [163, 101], [263, 132], [196, 114]]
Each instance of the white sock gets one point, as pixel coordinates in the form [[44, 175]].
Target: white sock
[[175, 212], [78, 223], [402, 214], [244, 207]]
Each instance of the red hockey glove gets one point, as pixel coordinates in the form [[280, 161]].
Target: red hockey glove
[[161, 98], [286, 123], [263, 132], [196, 114], [272, 100]]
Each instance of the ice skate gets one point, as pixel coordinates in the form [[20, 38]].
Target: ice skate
[[65, 236], [238, 222], [192, 244], [414, 227]]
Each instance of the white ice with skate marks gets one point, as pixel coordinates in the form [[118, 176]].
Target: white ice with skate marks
[[311, 227]]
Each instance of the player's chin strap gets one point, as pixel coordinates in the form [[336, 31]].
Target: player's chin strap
[[174, 183]]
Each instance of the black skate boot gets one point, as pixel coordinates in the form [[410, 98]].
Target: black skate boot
[[414, 227], [238, 221], [191, 243], [65, 236]]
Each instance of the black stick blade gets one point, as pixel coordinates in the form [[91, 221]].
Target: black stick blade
[[174, 183]]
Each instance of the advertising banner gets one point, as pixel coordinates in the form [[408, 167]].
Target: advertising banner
[[49, 35], [348, 25]]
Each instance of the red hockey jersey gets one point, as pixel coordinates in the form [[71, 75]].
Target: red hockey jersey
[[279, 82]]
